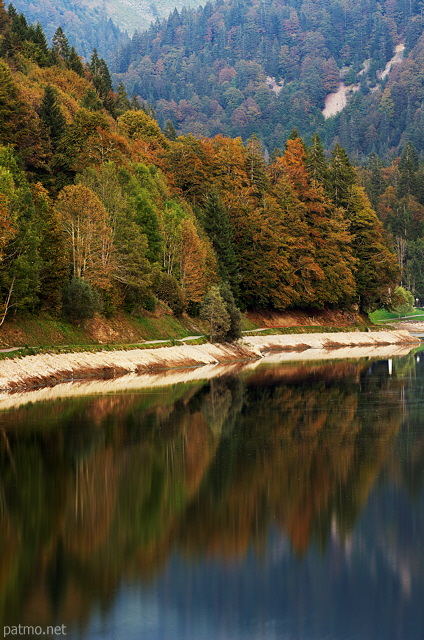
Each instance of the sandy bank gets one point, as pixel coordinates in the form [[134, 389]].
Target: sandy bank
[[48, 369]]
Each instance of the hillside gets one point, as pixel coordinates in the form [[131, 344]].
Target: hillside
[[88, 25], [238, 68], [101, 211], [97, 24]]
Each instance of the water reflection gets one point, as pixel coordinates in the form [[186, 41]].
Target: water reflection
[[273, 497]]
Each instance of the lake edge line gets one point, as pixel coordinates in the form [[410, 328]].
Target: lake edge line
[[50, 369]]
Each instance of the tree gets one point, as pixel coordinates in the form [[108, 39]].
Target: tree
[[341, 177], [11, 109], [137, 125], [216, 222], [402, 302], [234, 330], [20, 260], [377, 271], [316, 162], [51, 116], [408, 167], [194, 267], [4, 18], [60, 44], [79, 300], [331, 264], [54, 262], [84, 221], [132, 270], [122, 102], [169, 131], [74, 63], [214, 311]]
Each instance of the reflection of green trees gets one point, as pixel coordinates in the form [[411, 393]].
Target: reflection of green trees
[[97, 489]]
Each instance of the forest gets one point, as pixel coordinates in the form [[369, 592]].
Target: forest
[[242, 67], [102, 210]]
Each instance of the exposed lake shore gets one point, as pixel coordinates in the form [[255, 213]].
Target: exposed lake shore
[[47, 369]]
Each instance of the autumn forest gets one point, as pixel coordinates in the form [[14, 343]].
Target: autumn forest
[[103, 210]]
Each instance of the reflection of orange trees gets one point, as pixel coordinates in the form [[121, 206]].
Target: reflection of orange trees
[[301, 457], [204, 469]]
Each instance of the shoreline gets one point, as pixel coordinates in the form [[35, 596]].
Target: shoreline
[[46, 370]]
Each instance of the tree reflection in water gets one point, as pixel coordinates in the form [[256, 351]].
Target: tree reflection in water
[[100, 490]]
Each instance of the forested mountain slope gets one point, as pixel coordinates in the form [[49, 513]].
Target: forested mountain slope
[[97, 24], [99, 209], [237, 67], [88, 25]]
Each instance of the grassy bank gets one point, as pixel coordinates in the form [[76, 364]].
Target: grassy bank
[[44, 333], [44, 330], [382, 315]]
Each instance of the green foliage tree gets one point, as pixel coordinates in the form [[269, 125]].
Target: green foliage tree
[[234, 330], [20, 262], [216, 222], [60, 44], [214, 311], [51, 116], [402, 302], [79, 300]]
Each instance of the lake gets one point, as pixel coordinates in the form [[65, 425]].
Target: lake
[[280, 502]]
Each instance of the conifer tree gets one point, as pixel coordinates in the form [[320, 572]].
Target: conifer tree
[[330, 274], [74, 62], [316, 162], [256, 165], [408, 167], [4, 18], [60, 44], [376, 183], [234, 330], [341, 177], [51, 116], [37, 48], [169, 131], [135, 105], [376, 266], [11, 110], [122, 102], [216, 222]]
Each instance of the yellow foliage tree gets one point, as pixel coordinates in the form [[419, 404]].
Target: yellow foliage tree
[[84, 221]]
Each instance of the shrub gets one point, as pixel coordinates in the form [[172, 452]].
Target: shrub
[[79, 300], [169, 291], [214, 311]]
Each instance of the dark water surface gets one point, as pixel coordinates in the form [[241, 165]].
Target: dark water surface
[[286, 503]]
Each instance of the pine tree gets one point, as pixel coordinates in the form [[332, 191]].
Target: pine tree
[[51, 116], [341, 177], [60, 44], [234, 330], [4, 18], [316, 162], [330, 276], [408, 167], [74, 62], [122, 102], [256, 165], [135, 105], [11, 109], [216, 222], [169, 131], [376, 183]]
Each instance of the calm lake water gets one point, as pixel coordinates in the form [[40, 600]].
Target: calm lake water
[[286, 503]]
